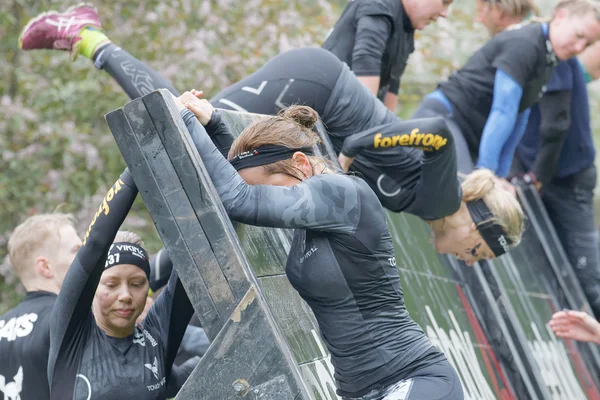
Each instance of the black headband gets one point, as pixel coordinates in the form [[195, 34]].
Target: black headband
[[265, 155], [491, 232], [127, 253]]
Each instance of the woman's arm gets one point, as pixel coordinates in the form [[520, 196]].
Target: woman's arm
[[327, 202], [508, 151], [213, 123], [219, 133], [73, 305], [372, 33], [501, 121], [170, 314], [576, 325]]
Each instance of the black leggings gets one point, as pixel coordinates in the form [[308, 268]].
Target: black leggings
[[436, 382], [301, 76], [284, 80]]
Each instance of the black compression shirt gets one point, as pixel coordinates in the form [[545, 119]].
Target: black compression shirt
[[522, 54], [438, 178], [24, 347], [85, 363], [375, 38], [341, 262], [403, 177]]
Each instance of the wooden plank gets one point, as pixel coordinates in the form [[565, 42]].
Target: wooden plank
[[295, 318], [188, 166], [170, 231], [253, 348], [177, 199], [244, 356]]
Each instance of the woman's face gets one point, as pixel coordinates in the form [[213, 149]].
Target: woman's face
[[120, 299], [464, 242], [570, 35], [422, 12]]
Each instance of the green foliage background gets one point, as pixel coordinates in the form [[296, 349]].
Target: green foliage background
[[56, 150]]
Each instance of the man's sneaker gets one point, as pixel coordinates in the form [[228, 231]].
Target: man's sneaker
[[58, 30]]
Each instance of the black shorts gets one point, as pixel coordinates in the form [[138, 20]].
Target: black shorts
[[435, 382]]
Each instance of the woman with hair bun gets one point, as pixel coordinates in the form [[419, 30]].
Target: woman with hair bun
[[341, 260]]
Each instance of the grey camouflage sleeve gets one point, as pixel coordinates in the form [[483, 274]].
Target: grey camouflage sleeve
[[326, 202]]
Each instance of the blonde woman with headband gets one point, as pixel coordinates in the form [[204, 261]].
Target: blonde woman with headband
[[97, 349]]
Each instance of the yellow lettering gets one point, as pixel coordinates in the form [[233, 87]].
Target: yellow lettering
[[419, 137], [413, 136], [117, 185], [87, 233], [439, 142], [110, 194], [395, 140], [377, 140], [428, 139], [404, 140], [104, 206], [386, 142]]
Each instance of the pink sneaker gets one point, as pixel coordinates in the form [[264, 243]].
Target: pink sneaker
[[58, 30]]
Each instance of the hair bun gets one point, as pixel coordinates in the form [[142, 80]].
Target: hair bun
[[302, 115]]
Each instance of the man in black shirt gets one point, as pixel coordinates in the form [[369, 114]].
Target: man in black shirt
[[375, 39], [41, 250]]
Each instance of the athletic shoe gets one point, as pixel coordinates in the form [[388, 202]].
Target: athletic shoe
[[59, 30]]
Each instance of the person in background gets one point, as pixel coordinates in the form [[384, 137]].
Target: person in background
[[96, 348], [557, 155], [497, 15], [487, 102], [375, 39], [40, 250], [557, 152]]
